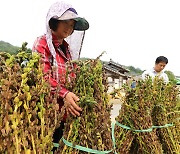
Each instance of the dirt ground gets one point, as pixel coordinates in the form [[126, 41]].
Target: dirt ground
[[115, 109]]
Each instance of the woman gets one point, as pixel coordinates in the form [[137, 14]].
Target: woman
[[62, 23]]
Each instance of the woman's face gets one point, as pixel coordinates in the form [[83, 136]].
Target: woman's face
[[65, 28]]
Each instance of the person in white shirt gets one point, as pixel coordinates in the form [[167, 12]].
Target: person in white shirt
[[157, 70]]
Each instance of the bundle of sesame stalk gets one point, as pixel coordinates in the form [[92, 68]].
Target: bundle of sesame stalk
[[92, 129], [144, 121], [28, 112], [166, 111], [136, 114]]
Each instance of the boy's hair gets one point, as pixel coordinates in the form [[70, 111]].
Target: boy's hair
[[53, 24], [161, 59]]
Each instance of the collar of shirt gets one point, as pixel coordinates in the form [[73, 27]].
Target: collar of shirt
[[57, 43], [156, 73]]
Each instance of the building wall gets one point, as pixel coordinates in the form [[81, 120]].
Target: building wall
[[110, 84], [115, 83]]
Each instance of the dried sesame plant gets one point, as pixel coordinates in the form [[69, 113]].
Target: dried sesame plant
[[151, 103], [92, 129], [29, 112]]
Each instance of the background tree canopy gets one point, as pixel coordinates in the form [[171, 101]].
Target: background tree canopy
[[134, 71], [171, 76]]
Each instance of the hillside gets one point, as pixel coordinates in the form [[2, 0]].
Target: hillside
[[7, 47]]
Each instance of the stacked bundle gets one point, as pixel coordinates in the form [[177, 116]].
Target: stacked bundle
[[26, 105], [136, 113], [166, 111], [150, 103], [91, 131]]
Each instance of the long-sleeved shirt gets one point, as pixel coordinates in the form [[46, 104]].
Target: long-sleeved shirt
[[62, 56]]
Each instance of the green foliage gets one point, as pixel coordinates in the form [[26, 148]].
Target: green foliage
[[134, 71], [171, 76], [7, 47], [177, 81]]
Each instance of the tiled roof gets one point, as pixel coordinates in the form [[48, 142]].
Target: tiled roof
[[118, 66], [109, 68]]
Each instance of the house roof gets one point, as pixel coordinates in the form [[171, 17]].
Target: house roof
[[109, 68], [117, 66]]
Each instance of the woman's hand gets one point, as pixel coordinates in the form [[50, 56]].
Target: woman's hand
[[70, 104]]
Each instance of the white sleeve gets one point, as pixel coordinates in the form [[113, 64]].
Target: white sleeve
[[166, 79], [143, 76]]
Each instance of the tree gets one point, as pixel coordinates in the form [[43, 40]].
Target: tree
[[133, 70], [171, 76]]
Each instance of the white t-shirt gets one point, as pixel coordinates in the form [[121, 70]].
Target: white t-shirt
[[153, 73]]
